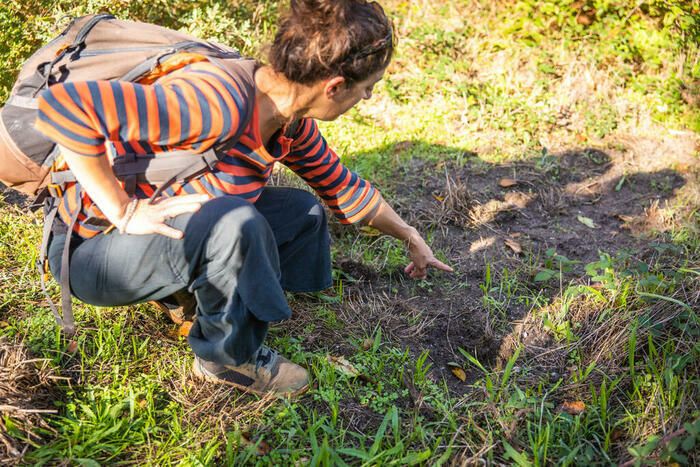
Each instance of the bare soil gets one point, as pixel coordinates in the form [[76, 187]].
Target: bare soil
[[535, 204]]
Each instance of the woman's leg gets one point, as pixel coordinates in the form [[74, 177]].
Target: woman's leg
[[299, 225], [228, 259]]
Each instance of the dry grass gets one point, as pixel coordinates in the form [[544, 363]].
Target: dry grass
[[602, 328], [27, 394]]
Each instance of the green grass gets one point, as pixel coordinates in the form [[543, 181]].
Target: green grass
[[514, 82]]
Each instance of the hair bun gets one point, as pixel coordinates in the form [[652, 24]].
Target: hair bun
[[317, 39], [320, 7]]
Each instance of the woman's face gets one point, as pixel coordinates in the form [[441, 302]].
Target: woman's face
[[337, 98]]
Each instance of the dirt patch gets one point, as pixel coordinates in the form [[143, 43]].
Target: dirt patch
[[575, 203]]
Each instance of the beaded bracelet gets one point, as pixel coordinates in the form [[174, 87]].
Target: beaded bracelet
[[128, 214]]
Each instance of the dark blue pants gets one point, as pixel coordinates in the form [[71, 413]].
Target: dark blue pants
[[237, 258]]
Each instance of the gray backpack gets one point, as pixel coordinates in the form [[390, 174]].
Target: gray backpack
[[100, 47]]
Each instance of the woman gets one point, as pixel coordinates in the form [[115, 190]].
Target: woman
[[225, 237]]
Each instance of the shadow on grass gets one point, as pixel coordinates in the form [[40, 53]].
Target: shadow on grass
[[498, 225]]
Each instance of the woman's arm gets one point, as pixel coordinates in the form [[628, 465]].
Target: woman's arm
[[97, 179], [385, 219], [348, 196], [191, 109], [352, 199]]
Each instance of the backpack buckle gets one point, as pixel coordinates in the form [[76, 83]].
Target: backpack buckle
[[55, 190]]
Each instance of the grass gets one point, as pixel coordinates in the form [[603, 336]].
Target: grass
[[580, 349]]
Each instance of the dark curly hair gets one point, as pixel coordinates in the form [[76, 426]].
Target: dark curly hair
[[319, 39]]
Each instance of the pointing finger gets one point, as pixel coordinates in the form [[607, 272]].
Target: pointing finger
[[437, 264]]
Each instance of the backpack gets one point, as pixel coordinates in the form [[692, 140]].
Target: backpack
[[101, 47], [94, 47]]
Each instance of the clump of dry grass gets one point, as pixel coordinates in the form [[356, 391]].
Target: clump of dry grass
[[27, 392], [219, 408], [603, 330], [455, 203], [605, 345]]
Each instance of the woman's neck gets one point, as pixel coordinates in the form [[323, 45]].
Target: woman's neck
[[279, 100]]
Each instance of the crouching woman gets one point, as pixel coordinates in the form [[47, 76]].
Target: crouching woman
[[226, 237]]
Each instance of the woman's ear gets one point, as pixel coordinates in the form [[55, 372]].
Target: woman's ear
[[334, 86]]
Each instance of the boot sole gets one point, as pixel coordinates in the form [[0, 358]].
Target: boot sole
[[212, 379], [177, 315]]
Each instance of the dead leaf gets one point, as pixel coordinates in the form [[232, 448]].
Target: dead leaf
[[262, 446], [481, 244], [625, 218], [403, 146], [616, 434], [72, 347], [507, 182], [516, 235], [368, 231], [587, 221], [585, 19], [580, 138], [184, 329], [343, 366], [4, 324], [573, 407], [513, 245], [459, 373]]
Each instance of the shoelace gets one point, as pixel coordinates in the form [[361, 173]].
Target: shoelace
[[265, 356]]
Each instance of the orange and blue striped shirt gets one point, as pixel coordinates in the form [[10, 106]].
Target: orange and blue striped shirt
[[193, 108]]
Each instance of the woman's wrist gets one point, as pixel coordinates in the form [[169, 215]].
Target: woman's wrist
[[114, 211], [411, 236], [127, 215]]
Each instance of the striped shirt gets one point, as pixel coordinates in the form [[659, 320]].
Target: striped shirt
[[193, 108]]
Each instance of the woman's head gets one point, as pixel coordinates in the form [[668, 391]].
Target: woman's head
[[321, 39]]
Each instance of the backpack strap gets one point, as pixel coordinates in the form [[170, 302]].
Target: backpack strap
[[42, 264], [206, 49], [79, 40], [67, 321], [243, 73]]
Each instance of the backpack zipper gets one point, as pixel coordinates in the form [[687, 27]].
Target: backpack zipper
[[93, 53]]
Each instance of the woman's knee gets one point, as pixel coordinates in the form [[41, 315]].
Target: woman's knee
[[225, 220], [310, 208], [226, 213]]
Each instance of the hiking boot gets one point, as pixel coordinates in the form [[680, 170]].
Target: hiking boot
[[179, 307], [267, 372]]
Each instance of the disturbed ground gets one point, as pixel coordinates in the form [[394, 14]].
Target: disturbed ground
[[574, 203]]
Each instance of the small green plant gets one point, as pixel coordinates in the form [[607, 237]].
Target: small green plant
[[555, 265]]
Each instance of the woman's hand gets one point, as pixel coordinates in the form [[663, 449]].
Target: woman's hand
[[385, 219], [150, 218], [96, 176], [422, 258]]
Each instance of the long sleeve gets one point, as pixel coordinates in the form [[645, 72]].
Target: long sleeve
[[191, 109], [349, 197]]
